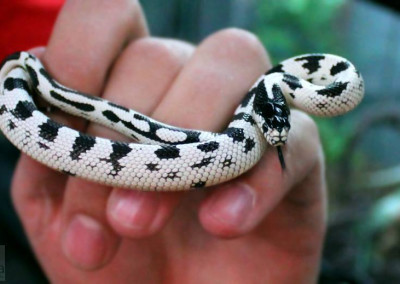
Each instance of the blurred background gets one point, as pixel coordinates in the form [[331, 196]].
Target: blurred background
[[362, 149]]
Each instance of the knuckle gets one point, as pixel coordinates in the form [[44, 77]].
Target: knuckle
[[304, 147], [306, 128], [115, 7], [168, 52], [240, 41], [127, 15], [130, 7]]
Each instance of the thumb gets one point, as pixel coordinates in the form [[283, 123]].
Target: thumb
[[37, 191]]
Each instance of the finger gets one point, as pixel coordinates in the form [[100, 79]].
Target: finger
[[36, 190], [184, 91], [241, 205], [212, 85], [132, 213], [214, 82], [131, 84], [87, 38], [132, 80], [210, 75]]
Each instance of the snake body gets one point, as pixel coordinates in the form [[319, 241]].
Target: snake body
[[163, 157]]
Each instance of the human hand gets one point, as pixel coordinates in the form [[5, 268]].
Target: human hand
[[266, 226]]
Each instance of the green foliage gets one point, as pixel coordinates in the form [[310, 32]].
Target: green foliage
[[291, 27], [334, 137], [378, 234]]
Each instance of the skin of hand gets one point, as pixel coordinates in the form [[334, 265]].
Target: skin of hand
[[266, 226]]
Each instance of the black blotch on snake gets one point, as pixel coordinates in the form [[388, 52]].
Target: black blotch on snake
[[16, 83], [339, 67], [82, 144], [23, 110], [333, 90], [292, 81], [167, 152], [153, 167], [120, 150], [203, 163], [80, 106], [208, 146], [237, 134], [49, 130], [249, 145], [312, 62]]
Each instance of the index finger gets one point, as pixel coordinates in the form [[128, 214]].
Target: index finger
[[87, 38]]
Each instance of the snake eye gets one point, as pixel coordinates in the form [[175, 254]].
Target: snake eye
[[268, 110], [278, 111]]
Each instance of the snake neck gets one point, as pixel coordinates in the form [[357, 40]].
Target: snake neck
[[271, 112]]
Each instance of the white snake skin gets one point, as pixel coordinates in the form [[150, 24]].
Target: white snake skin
[[168, 158]]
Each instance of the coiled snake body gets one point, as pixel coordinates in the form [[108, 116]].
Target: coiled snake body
[[167, 157]]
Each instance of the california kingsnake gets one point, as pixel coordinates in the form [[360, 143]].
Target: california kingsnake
[[166, 157]]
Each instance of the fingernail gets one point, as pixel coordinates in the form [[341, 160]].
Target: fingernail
[[84, 242], [134, 209], [233, 204]]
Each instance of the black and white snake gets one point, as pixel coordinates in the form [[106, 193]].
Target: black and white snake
[[166, 157]]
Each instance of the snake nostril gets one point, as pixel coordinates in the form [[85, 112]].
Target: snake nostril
[[277, 121], [265, 128]]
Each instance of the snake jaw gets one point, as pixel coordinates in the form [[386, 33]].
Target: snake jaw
[[277, 137]]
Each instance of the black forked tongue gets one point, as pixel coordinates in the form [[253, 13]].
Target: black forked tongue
[[281, 159]]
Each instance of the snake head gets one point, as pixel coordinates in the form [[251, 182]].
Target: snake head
[[276, 131], [272, 114]]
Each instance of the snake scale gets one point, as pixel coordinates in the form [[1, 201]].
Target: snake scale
[[163, 157]]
